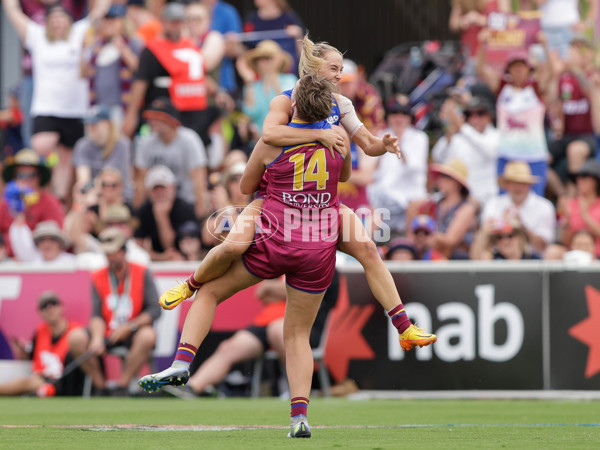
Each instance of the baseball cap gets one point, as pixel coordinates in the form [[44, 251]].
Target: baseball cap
[[423, 222], [112, 240], [188, 228], [116, 10], [394, 106], [162, 109], [350, 71], [159, 176], [479, 103], [401, 243], [173, 11], [97, 113]]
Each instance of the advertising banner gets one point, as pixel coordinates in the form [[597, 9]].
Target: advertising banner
[[574, 330], [489, 328]]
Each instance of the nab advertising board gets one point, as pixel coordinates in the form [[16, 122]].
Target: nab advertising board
[[489, 328], [498, 327]]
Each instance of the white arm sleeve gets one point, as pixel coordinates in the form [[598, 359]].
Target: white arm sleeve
[[349, 120]]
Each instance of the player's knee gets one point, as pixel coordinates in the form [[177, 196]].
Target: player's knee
[[230, 251], [367, 252]]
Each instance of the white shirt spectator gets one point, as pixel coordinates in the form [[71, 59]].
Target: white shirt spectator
[[478, 152], [397, 182], [59, 89], [536, 213], [25, 250]]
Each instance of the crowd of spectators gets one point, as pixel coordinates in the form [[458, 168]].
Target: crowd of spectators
[[141, 116]]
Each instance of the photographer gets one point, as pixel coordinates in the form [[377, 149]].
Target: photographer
[[26, 176]]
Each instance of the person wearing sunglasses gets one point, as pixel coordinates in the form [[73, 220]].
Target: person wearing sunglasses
[[25, 193], [471, 137], [49, 352], [502, 240]]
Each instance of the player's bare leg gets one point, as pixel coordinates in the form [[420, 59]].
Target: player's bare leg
[[197, 325], [219, 259], [300, 312], [355, 241]]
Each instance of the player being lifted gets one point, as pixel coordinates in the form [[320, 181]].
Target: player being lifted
[[324, 60]]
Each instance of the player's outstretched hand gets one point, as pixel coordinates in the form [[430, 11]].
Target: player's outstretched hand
[[392, 146]]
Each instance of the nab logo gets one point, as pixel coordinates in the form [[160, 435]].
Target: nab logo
[[470, 334], [588, 331]]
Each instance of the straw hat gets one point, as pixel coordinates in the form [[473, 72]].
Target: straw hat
[[455, 169], [49, 228], [112, 240], [26, 157], [518, 172], [118, 213], [269, 49]]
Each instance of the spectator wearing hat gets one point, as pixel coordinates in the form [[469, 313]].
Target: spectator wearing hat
[[502, 240], [364, 96], [161, 75], [397, 182], [86, 243], [49, 353], [162, 214], [452, 209], [520, 109], [102, 146], [60, 95], [264, 70], [175, 147], [473, 139], [47, 244], [583, 211], [24, 193], [401, 249], [125, 306], [110, 61], [422, 229], [92, 202], [534, 212]]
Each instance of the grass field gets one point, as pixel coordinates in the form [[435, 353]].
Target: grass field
[[165, 423]]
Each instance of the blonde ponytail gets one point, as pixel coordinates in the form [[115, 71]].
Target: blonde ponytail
[[312, 56]]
